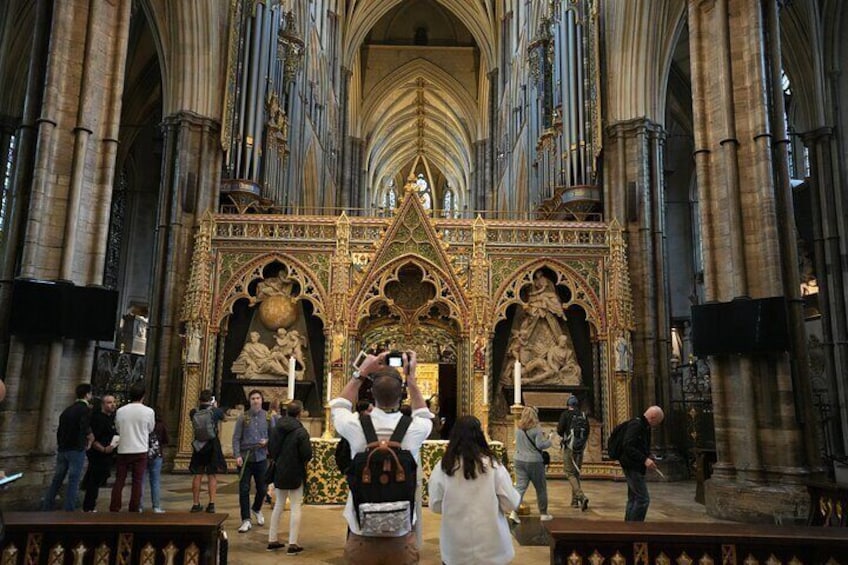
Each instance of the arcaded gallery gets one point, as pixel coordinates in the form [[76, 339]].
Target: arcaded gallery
[[581, 206]]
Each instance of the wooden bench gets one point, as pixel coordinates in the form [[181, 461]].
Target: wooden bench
[[641, 543], [119, 538]]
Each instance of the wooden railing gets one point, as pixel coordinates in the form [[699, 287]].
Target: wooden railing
[[56, 538], [577, 542]]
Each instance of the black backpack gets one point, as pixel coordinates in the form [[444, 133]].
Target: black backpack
[[579, 433], [384, 472], [343, 456], [616, 440]]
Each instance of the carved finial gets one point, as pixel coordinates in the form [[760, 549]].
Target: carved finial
[[411, 184]]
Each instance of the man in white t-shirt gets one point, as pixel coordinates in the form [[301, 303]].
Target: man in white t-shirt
[[133, 422], [388, 391]]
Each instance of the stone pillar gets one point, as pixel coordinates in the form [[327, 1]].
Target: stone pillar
[[191, 175], [491, 201], [761, 461], [830, 267], [63, 186], [343, 191], [635, 196]]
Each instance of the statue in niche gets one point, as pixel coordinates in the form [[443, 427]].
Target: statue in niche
[[541, 342], [193, 349], [253, 356], [480, 353], [256, 360], [623, 355], [287, 344]]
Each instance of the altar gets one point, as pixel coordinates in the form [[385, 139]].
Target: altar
[[502, 314]]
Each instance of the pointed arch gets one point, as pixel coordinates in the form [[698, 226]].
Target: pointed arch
[[478, 17], [236, 287], [582, 293]]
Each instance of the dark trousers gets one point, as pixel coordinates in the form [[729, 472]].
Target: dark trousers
[[256, 470], [637, 496], [137, 463], [96, 476]]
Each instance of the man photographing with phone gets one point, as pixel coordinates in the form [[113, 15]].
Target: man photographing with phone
[[379, 542]]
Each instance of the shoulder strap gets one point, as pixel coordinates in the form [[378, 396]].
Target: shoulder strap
[[400, 429], [533, 443], [368, 428]]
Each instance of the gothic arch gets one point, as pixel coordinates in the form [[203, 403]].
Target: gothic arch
[[640, 37], [236, 287], [582, 293], [372, 290], [478, 17], [192, 53]]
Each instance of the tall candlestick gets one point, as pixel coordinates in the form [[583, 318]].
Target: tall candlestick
[[485, 389], [291, 377], [329, 385], [516, 374]]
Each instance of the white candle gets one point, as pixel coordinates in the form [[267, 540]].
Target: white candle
[[329, 385], [485, 389], [516, 374], [291, 377]]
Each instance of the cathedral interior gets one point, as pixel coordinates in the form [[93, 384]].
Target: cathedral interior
[[637, 202]]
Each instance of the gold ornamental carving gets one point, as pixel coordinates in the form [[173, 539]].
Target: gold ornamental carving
[[442, 285]]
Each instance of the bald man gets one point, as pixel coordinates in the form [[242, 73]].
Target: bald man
[[636, 460]]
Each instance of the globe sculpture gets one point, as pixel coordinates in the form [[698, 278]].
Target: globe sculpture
[[277, 312]]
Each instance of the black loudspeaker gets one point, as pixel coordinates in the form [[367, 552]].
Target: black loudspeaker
[[37, 308], [91, 313], [740, 326], [50, 310]]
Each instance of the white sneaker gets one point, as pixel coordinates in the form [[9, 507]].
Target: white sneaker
[[260, 519], [158, 511], [514, 517], [546, 517], [245, 526]]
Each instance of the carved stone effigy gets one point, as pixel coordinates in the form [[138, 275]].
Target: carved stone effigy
[[442, 286]]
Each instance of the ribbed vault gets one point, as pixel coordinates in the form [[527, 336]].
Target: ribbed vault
[[478, 17], [419, 110]]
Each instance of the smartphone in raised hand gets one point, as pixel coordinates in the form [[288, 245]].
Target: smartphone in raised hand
[[359, 359]]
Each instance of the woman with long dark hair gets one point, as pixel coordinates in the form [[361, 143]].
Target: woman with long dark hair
[[473, 492]]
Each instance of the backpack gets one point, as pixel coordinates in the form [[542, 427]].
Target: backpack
[[343, 456], [578, 435], [382, 482], [154, 448], [204, 425], [615, 444]]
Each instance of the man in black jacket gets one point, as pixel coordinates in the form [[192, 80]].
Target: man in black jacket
[[101, 453], [636, 460], [72, 438], [290, 449]]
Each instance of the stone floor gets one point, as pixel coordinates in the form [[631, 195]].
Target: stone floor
[[323, 528]]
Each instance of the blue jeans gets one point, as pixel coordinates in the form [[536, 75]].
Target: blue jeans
[[68, 463], [154, 475], [255, 469], [637, 496], [532, 472]]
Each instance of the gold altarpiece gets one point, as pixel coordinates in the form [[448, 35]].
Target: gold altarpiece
[[474, 270]]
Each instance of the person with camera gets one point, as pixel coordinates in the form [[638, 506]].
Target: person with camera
[[385, 540], [207, 458]]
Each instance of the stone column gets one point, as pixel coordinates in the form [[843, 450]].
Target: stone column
[[63, 186], [830, 267], [761, 461], [635, 196], [191, 175]]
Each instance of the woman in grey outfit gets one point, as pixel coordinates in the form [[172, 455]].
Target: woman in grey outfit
[[530, 440]]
